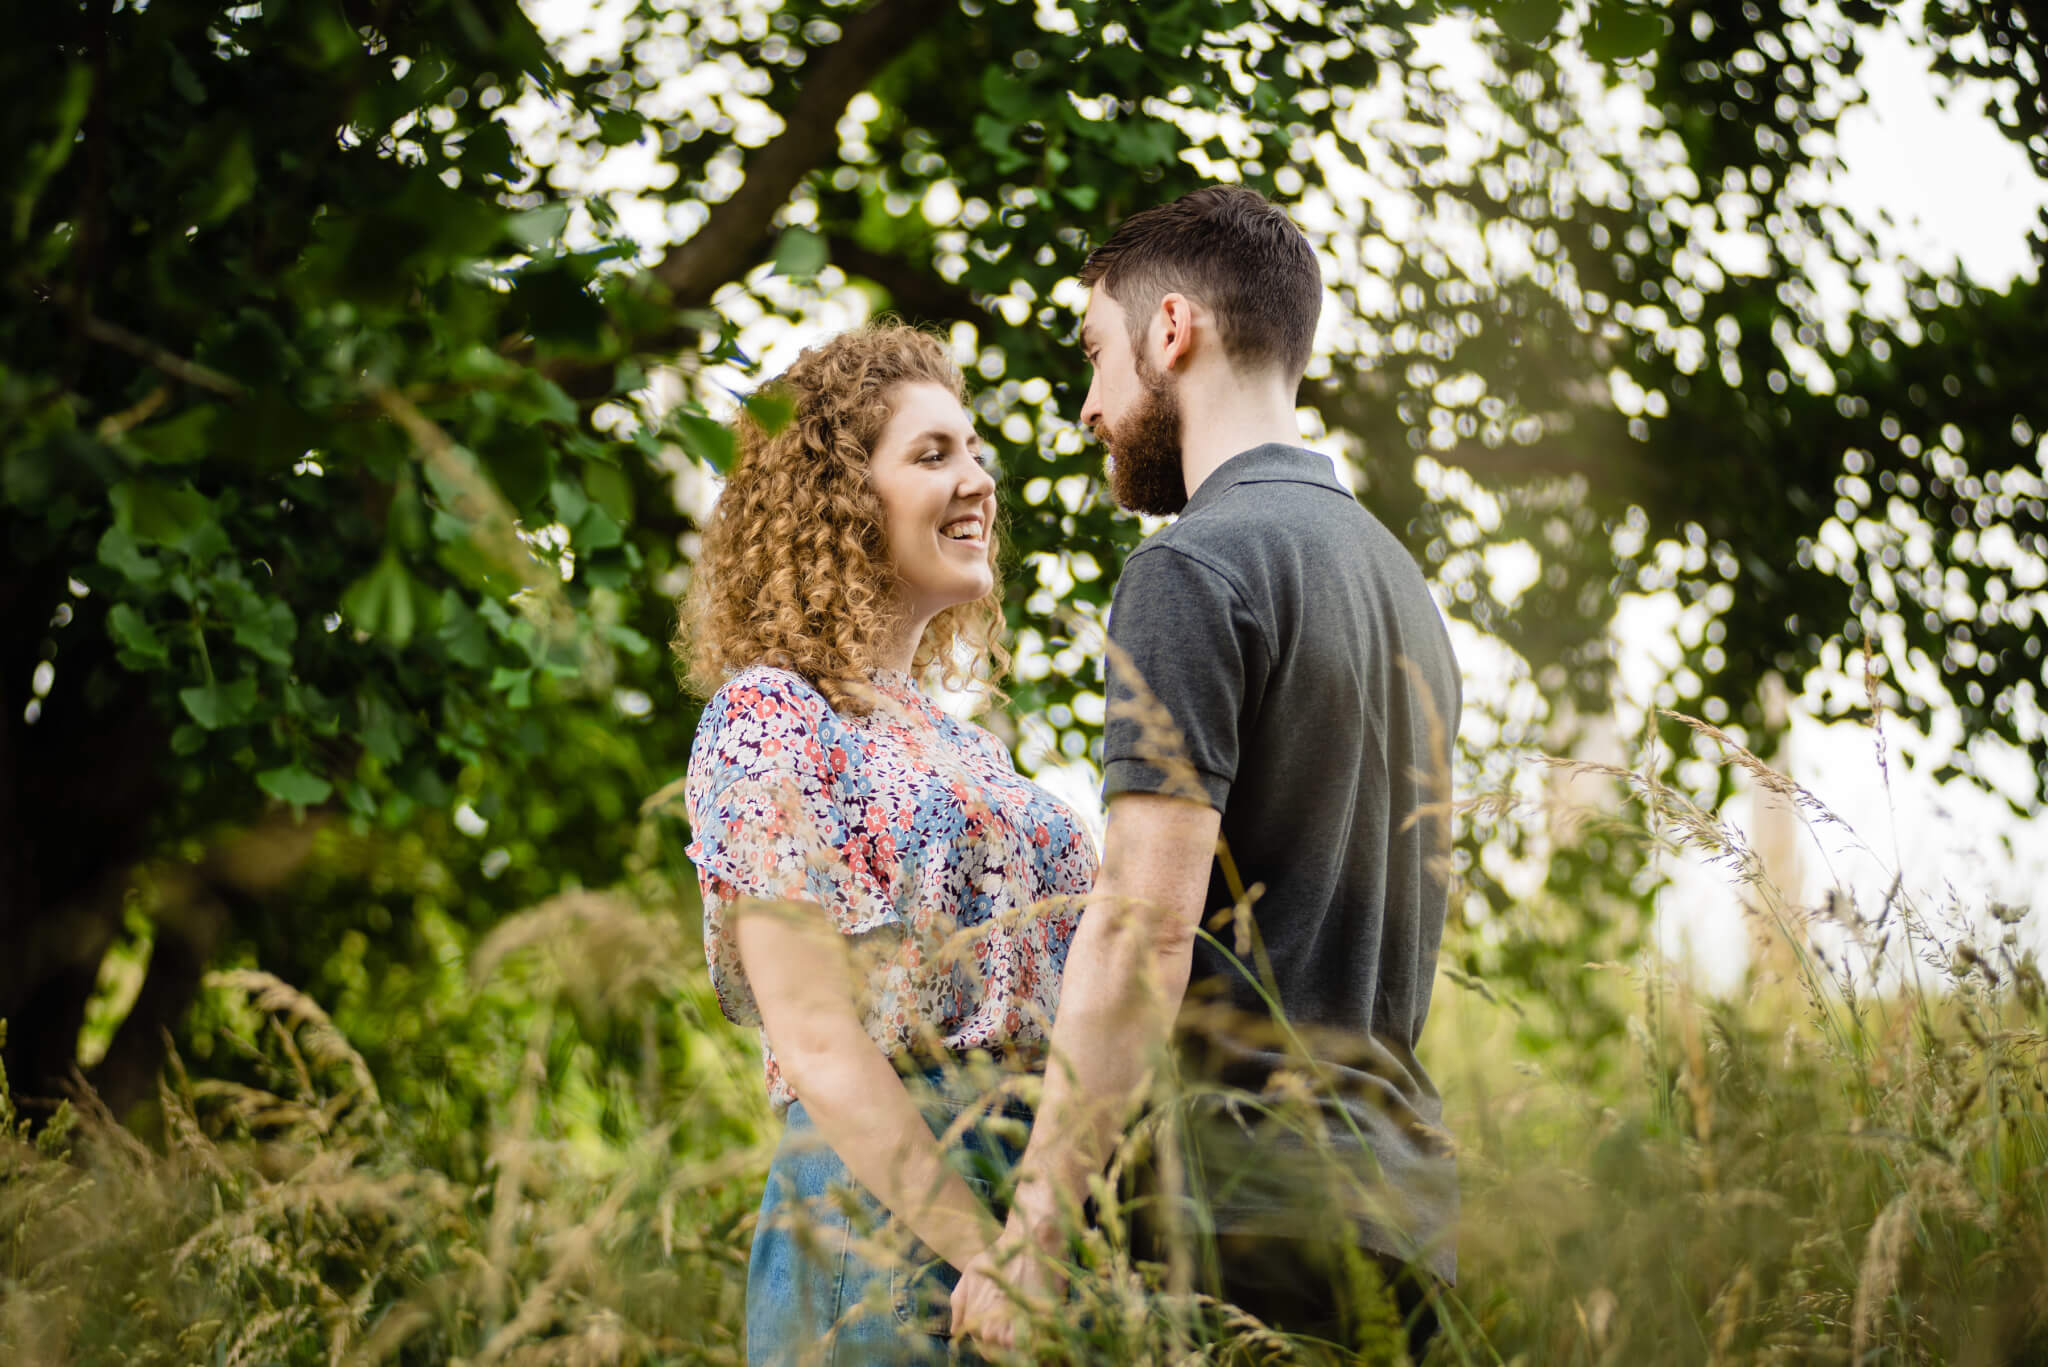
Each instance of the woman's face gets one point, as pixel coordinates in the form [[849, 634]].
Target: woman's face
[[938, 500]]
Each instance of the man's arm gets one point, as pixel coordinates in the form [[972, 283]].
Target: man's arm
[[1126, 973], [1125, 976]]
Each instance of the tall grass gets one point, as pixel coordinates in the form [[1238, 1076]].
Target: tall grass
[[1842, 1163]]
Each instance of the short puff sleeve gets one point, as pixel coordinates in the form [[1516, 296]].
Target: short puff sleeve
[[764, 798]]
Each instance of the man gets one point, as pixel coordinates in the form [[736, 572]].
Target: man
[[1281, 679]]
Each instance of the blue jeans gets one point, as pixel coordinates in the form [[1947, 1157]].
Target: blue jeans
[[833, 1280]]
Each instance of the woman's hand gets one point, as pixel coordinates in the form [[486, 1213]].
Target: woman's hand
[[1014, 1279]]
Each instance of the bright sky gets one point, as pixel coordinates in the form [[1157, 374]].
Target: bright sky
[[1956, 190]]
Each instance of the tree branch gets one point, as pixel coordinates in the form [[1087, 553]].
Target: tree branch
[[919, 295], [731, 238], [162, 358]]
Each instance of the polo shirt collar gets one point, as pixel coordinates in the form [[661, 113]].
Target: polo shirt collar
[[1273, 463]]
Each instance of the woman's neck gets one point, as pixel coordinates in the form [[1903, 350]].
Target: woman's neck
[[899, 650]]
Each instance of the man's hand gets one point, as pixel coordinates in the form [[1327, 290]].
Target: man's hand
[[1010, 1280]]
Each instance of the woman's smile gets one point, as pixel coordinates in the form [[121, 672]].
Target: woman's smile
[[968, 530]]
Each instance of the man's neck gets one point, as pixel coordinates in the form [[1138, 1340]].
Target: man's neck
[[1222, 416]]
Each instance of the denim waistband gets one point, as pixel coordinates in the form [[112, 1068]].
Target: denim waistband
[[957, 1084]]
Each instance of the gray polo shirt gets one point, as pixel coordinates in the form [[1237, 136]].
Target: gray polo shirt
[[1291, 642]]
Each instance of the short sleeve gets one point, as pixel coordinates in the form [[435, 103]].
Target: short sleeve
[[766, 819], [1186, 659]]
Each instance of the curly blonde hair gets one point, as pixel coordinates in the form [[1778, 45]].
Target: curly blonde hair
[[794, 571]]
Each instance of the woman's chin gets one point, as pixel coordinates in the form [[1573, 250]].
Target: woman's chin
[[972, 591]]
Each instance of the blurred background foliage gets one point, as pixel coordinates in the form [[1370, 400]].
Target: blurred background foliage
[[364, 365]]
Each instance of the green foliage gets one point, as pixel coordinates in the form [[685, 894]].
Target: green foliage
[[560, 1160], [338, 453], [281, 449], [336, 413], [298, 1213]]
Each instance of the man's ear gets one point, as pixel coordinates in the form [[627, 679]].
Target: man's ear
[[1174, 325]]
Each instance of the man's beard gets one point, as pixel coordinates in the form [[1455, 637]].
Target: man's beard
[[1144, 450]]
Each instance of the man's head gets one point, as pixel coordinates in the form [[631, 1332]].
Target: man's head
[[1222, 254]]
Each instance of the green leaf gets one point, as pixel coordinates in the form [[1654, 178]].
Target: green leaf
[[1006, 94], [215, 705], [610, 489], [518, 457], [294, 784], [1620, 33], [1529, 21], [800, 253], [595, 531], [618, 127], [539, 399], [462, 632], [310, 708], [709, 441], [1145, 142], [1082, 197], [157, 514], [230, 182], [118, 552], [184, 80], [571, 503], [140, 645], [68, 112], [208, 542], [380, 731], [771, 410], [487, 151], [625, 638], [535, 228], [601, 571], [515, 684], [560, 310], [994, 135], [388, 602], [266, 629]]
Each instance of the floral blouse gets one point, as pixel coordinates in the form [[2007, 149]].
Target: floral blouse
[[917, 836]]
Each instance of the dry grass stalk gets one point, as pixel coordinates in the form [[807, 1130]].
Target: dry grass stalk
[[308, 1019]]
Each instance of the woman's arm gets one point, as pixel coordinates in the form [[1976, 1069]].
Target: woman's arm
[[802, 978]]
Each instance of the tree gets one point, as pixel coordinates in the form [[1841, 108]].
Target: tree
[[335, 480], [317, 497], [270, 462]]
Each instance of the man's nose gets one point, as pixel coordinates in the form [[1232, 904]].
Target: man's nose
[[1091, 408]]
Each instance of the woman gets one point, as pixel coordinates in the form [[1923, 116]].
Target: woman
[[882, 892]]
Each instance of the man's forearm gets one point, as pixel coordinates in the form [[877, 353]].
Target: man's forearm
[[1124, 980], [1125, 974]]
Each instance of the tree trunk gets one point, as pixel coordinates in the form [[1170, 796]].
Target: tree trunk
[[80, 780]]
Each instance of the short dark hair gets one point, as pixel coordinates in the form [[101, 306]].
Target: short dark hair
[[1233, 250]]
